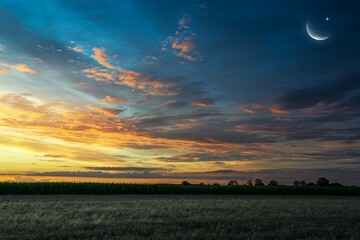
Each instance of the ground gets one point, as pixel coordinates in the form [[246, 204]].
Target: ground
[[179, 217]]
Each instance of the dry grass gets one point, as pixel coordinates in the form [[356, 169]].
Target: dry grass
[[179, 217]]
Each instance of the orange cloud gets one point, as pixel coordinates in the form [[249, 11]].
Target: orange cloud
[[203, 102], [182, 42], [183, 46], [106, 111], [254, 108], [101, 75], [24, 68], [78, 49], [124, 77], [110, 100], [3, 69], [102, 58]]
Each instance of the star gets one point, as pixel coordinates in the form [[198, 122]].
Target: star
[[327, 18]]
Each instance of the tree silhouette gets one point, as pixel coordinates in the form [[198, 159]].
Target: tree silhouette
[[233, 183], [249, 183], [302, 183], [273, 183], [322, 182], [259, 182], [185, 183], [296, 183]]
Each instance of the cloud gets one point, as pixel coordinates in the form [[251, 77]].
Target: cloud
[[100, 75], [340, 96], [2, 47], [150, 60], [203, 102], [3, 69], [107, 100], [102, 58], [54, 156], [320, 96], [253, 108], [120, 76], [202, 6], [24, 68], [182, 42], [106, 111], [174, 104], [78, 49], [125, 169]]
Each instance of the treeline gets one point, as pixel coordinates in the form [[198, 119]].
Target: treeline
[[322, 182], [113, 188]]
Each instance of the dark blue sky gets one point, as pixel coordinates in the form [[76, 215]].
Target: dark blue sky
[[211, 85]]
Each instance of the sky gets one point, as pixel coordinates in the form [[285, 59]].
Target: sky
[[157, 91]]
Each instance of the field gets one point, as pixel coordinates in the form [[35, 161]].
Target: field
[[111, 188], [179, 217]]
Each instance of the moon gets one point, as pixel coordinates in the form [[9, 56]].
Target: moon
[[314, 35]]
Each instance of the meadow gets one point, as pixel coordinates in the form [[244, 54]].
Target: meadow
[[171, 217]]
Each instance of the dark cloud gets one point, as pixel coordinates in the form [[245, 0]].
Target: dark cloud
[[124, 169], [174, 104], [328, 95]]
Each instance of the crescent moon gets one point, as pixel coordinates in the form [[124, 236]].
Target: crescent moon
[[314, 35]]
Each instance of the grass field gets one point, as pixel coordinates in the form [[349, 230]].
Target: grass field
[[179, 217]]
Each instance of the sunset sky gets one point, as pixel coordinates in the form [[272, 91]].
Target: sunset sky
[[165, 91]]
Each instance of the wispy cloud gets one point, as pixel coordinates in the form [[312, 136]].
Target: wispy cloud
[[117, 75], [3, 69], [203, 102], [24, 68], [182, 42], [107, 100], [78, 49]]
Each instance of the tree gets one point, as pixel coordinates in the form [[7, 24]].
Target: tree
[[249, 183], [322, 182], [273, 183], [259, 182], [201, 184], [185, 183], [296, 183], [302, 183], [233, 183], [310, 184], [216, 184]]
